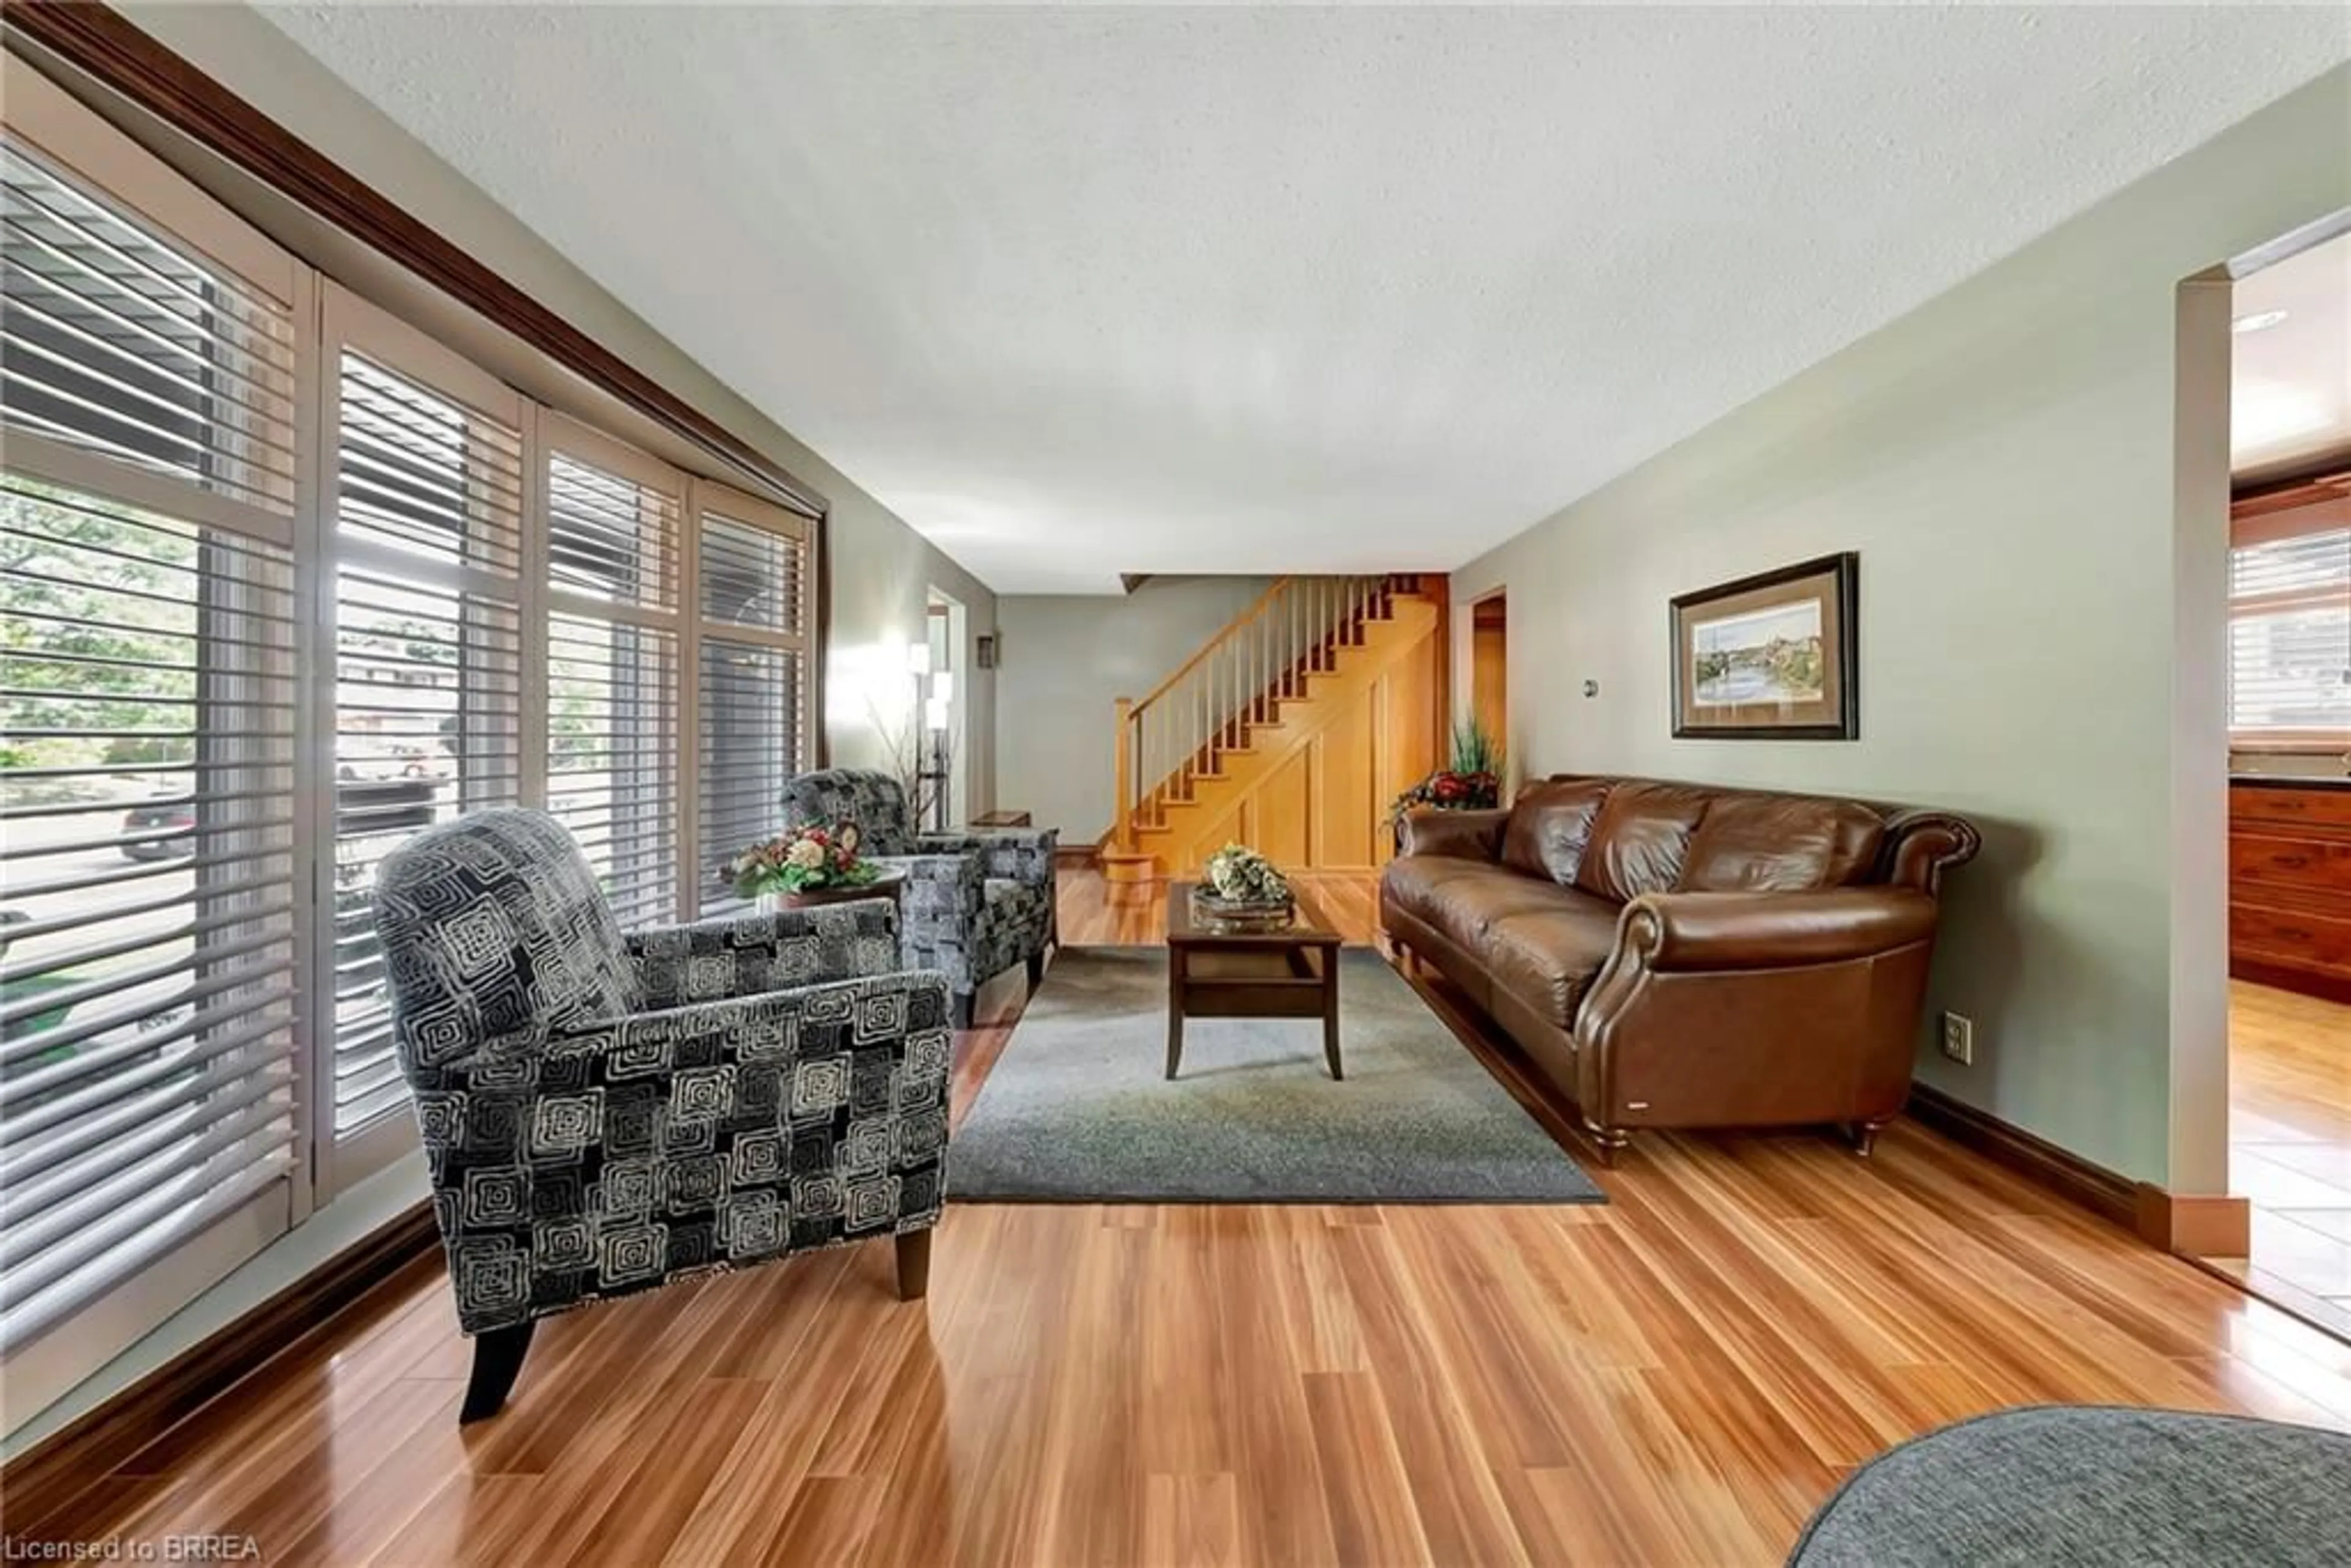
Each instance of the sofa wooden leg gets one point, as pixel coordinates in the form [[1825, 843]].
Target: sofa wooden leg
[[1864, 1135], [497, 1361], [960, 1004], [914, 1264], [1035, 970], [1610, 1142]]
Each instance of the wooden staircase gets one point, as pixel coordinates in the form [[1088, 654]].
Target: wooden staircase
[[1290, 730]]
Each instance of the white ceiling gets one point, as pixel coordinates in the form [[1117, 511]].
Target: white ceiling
[[2290, 395], [1083, 292]]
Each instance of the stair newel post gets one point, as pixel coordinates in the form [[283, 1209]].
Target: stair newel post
[[1123, 764]]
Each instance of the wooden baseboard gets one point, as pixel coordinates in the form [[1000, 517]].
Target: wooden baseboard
[[2195, 1227], [51, 1474], [2092, 1186], [2190, 1225]]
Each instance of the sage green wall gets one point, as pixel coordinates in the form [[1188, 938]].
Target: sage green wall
[[2004, 460], [880, 568]]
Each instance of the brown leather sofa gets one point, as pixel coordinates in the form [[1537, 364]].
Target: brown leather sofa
[[1679, 956]]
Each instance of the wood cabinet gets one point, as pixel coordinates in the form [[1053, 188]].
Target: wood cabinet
[[2290, 886]]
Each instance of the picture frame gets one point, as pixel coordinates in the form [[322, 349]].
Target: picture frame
[[1775, 657]]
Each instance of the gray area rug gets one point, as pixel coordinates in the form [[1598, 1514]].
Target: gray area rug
[[2079, 1486], [1076, 1109]]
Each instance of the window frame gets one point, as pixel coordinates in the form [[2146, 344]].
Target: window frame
[[82, 146], [708, 498], [349, 324], [559, 435]]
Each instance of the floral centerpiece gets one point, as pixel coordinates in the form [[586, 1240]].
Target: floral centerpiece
[[1239, 886], [806, 861], [1473, 782]]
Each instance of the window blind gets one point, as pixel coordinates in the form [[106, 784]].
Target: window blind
[[2290, 637], [614, 651], [752, 594], [751, 575], [427, 497], [118, 340], [751, 729], [148, 986]]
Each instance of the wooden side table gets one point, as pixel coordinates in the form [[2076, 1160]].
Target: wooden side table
[[1293, 973], [890, 884]]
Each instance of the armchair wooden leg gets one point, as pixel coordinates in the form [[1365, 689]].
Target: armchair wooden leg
[[1864, 1135], [498, 1361], [961, 1005], [914, 1264], [1035, 970], [1610, 1141]]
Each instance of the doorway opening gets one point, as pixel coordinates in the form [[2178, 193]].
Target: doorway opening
[[2288, 715], [947, 703], [1490, 667]]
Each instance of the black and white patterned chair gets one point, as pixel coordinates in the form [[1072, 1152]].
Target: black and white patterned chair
[[974, 904], [603, 1113]]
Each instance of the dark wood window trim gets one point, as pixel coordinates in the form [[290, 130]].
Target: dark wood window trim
[[107, 48]]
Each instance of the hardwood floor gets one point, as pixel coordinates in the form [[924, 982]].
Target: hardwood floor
[[2290, 1147], [1679, 1376]]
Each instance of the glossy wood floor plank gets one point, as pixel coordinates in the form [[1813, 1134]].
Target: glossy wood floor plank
[[1676, 1377]]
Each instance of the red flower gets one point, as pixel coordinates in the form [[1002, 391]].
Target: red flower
[[818, 835]]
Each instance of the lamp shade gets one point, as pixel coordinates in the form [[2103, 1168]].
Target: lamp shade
[[934, 713], [943, 685], [918, 658]]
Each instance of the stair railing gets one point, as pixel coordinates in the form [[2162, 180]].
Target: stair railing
[[1207, 705]]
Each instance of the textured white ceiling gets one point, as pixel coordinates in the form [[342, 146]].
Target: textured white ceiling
[[1083, 292]]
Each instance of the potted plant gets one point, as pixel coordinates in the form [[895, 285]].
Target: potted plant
[[1471, 782], [810, 866], [1240, 888]]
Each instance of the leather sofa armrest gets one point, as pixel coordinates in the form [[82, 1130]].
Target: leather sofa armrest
[[1920, 846], [1464, 835], [1679, 932]]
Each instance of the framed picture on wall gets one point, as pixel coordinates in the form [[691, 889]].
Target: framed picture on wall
[[1771, 657]]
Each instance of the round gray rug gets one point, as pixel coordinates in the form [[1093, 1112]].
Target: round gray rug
[[2067, 1486], [1077, 1109]]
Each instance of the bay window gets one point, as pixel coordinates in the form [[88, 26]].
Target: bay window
[[283, 582]]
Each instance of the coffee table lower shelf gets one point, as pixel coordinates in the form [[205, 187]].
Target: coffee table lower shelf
[[1287, 974]]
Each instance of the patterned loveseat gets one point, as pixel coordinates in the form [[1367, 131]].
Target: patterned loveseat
[[974, 905], [602, 1113]]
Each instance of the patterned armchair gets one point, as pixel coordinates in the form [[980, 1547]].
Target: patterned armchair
[[605, 1114], [974, 905]]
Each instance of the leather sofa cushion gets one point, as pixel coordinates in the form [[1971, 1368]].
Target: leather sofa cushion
[[1550, 825], [1547, 958], [1781, 843], [1641, 839], [1462, 899]]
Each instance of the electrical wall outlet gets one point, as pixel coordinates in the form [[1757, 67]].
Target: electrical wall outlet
[[1959, 1038]]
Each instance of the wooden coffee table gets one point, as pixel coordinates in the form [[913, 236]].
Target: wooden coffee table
[[1293, 973]]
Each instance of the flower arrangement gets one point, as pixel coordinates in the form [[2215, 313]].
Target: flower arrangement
[[1239, 889], [1239, 874], [1472, 783], [803, 861]]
